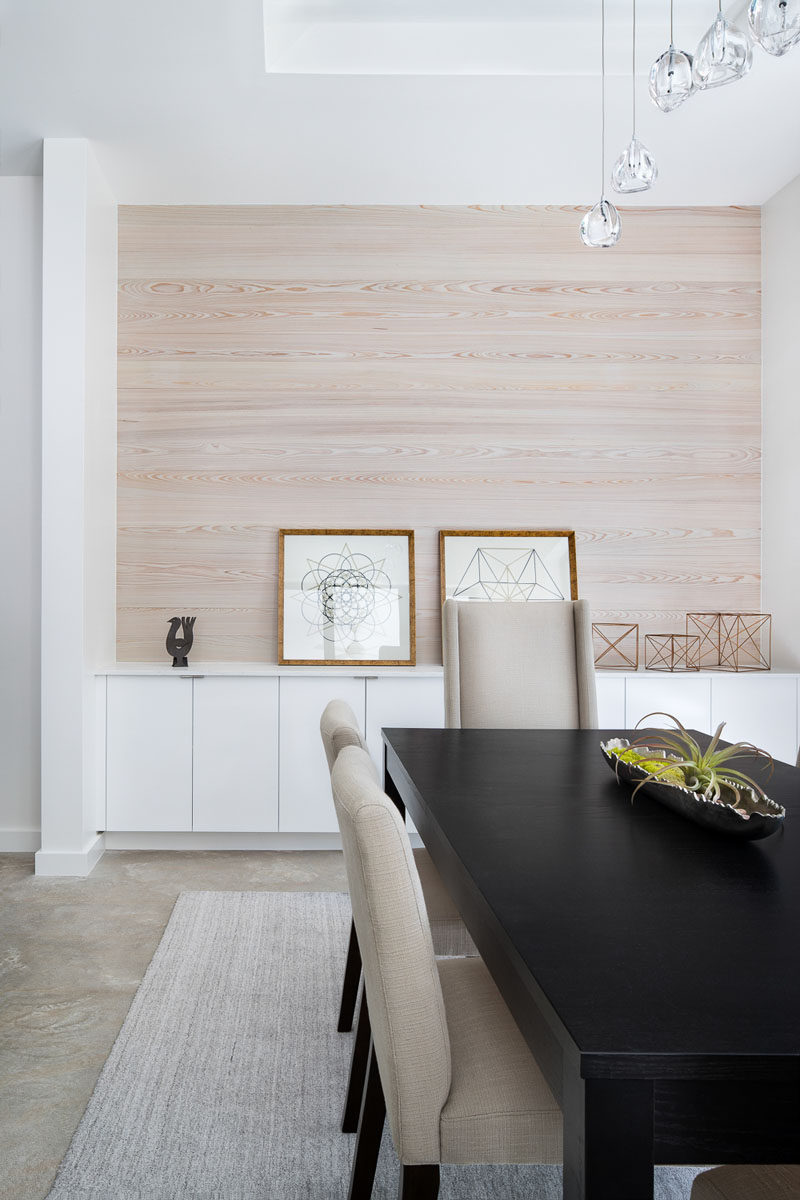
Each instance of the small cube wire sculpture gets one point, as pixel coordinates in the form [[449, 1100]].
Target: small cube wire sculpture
[[733, 641], [616, 645], [672, 652]]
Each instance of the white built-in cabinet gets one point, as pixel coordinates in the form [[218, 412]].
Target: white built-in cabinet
[[763, 711], [149, 754], [306, 804], [610, 700], [235, 755], [241, 754], [401, 702], [685, 696]]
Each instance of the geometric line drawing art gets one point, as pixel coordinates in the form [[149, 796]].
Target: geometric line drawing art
[[346, 595], [507, 564], [672, 652], [506, 574], [616, 645]]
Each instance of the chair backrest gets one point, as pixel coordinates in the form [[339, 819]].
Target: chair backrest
[[339, 727], [406, 1006], [517, 665]]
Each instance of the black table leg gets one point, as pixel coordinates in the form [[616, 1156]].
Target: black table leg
[[608, 1139]]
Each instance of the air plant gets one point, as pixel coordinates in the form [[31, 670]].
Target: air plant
[[672, 756]]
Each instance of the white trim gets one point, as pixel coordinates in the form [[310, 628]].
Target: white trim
[[66, 862], [223, 841], [199, 669], [246, 670], [20, 841]]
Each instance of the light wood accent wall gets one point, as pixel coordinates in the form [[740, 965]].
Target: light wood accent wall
[[426, 368]]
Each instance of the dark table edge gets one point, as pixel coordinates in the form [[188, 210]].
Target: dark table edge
[[518, 996]]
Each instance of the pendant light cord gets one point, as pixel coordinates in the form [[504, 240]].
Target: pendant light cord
[[602, 99], [671, 16], [633, 71]]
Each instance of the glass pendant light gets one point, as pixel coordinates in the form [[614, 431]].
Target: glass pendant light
[[723, 56], [635, 170], [671, 74], [775, 24], [601, 225]]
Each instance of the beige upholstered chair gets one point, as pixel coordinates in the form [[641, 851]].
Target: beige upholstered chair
[[339, 727], [748, 1183], [447, 1060], [512, 665]]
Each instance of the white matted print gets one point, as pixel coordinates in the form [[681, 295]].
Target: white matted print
[[517, 565], [346, 596]]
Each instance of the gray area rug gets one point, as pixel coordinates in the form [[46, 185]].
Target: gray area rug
[[227, 1078]]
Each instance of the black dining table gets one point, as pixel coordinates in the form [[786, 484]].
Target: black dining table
[[652, 966]]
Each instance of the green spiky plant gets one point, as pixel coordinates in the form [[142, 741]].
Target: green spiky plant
[[707, 772]]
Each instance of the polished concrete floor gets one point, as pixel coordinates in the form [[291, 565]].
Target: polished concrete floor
[[72, 954]]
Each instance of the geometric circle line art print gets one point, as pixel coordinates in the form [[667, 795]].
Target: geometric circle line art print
[[507, 574], [346, 596]]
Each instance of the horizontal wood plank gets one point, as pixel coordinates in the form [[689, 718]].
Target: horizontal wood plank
[[433, 367]]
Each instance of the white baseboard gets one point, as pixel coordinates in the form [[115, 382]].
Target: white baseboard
[[223, 841], [20, 841], [66, 862]]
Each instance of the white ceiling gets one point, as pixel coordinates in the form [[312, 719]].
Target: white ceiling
[[176, 97]]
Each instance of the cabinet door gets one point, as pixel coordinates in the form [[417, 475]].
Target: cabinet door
[[610, 700], [757, 708], [235, 755], [685, 696], [404, 701], [149, 754], [306, 805]]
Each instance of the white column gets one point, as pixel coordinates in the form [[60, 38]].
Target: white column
[[20, 488], [78, 514]]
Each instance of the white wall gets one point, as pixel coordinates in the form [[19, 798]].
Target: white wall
[[781, 422], [78, 383], [20, 508]]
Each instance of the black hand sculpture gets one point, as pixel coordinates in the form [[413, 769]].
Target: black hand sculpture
[[179, 647]]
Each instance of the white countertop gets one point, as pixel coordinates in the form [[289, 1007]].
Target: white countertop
[[266, 669], [426, 670]]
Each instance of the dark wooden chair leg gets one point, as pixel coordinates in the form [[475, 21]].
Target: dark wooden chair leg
[[352, 976], [370, 1130], [419, 1183], [358, 1069]]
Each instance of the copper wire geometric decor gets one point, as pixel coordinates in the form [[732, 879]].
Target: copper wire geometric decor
[[733, 641], [707, 627], [672, 652], [745, 642], [616, 645]]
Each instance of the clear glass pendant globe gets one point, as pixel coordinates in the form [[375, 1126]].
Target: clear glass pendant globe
[[723, 56], [671, 79], [775, 24], [601, 226], [635, 170]]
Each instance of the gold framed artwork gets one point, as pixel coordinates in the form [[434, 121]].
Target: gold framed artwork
[[507, 564], [346, 597]]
